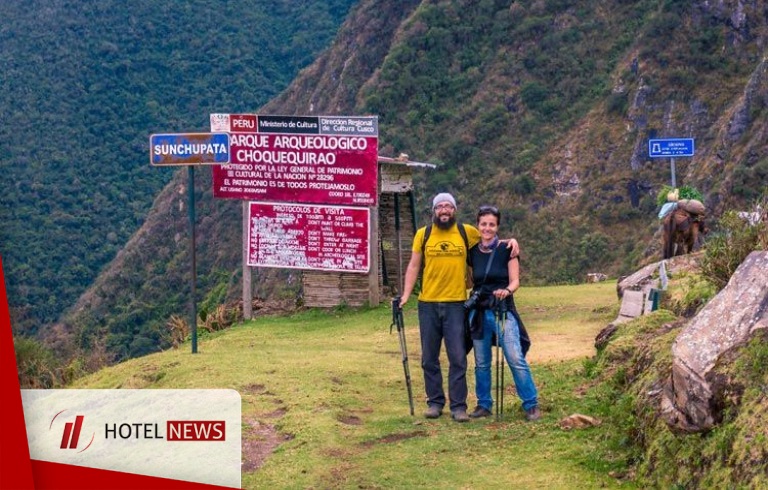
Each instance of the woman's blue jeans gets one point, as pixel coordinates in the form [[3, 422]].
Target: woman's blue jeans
[[513, 353]]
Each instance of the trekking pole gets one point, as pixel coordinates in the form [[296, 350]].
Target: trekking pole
[[502, 323], [501, 320], [397, 320], [496, 374]]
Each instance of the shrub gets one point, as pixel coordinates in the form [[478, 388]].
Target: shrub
[[688, 295], [37, 364], [748, 179], [617, 104], [534, 95], [523, 185], [731, 245], [222, 317], [178, 330]]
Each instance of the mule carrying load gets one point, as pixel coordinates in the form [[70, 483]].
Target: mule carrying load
[[683, 221]]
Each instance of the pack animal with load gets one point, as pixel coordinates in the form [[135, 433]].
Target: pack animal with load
[[682, 227]]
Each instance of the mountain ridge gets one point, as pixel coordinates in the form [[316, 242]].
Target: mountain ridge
[[548, 104]]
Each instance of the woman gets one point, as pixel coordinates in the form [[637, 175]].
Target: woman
[[496, 276]]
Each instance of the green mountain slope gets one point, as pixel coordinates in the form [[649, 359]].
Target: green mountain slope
[[126, 310], [85, 84], [541, 107]]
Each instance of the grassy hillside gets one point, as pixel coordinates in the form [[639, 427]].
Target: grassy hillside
[[628, 375], [85, 84], [325, 404]]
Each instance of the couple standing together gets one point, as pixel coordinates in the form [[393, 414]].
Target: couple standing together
[[445, 251]]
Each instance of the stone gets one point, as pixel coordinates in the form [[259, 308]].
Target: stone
[[690, 399], [639, 280], [578, 421], [632, 304], [596, 277], [642, 286], [649, 276], [605, 335]]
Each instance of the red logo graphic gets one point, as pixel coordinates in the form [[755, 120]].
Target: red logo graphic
[[71, 435], [69, 439]]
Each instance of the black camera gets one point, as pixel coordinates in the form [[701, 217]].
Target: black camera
[[471, 302], [502, 306]]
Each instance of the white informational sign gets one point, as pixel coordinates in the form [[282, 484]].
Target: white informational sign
[[308, 236]]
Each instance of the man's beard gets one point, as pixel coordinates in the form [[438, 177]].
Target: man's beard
[[444, 225]]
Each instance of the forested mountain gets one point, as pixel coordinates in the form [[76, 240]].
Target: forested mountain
[[543, 107], [84, 84]]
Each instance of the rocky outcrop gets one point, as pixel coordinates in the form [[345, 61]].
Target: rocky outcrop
[[691, 396], [754, 93], [639, 292], [649, 276], [640, 280]]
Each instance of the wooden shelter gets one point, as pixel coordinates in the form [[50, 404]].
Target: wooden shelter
[[393, 224]]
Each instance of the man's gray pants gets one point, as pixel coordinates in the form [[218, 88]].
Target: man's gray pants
[[440, 322]]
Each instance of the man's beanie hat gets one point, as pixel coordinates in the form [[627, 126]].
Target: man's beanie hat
[[443, 197]]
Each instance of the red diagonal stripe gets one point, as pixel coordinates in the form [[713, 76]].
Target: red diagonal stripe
[[76, 434], [65, 436], [15, 467]]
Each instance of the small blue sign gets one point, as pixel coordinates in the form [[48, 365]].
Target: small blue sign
[[189, 149], [670, 148]]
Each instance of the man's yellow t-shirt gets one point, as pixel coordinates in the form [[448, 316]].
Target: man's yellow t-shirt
[[445, 263]]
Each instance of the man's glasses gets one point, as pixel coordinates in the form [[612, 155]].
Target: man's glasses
[[444, 206]]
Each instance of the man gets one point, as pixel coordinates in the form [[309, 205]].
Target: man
[[441, 304]]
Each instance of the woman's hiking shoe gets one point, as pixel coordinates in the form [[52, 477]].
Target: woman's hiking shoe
[[433, 412], [533, 414], [480, 412], [460, 416]]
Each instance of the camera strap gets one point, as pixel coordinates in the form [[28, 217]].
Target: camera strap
[[488, 266]]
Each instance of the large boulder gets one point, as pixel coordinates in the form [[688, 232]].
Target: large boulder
[[693, 392]]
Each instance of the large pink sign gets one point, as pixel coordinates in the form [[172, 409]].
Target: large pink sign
[[301, 159], [300, 236]]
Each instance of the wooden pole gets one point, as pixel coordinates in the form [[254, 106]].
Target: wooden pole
[[373, 273], [398, 238], [191, 213], [247, 287]]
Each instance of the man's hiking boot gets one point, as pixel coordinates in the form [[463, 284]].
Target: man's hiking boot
[[460, 416], [433, 412], [480, 412], [533, 414]]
